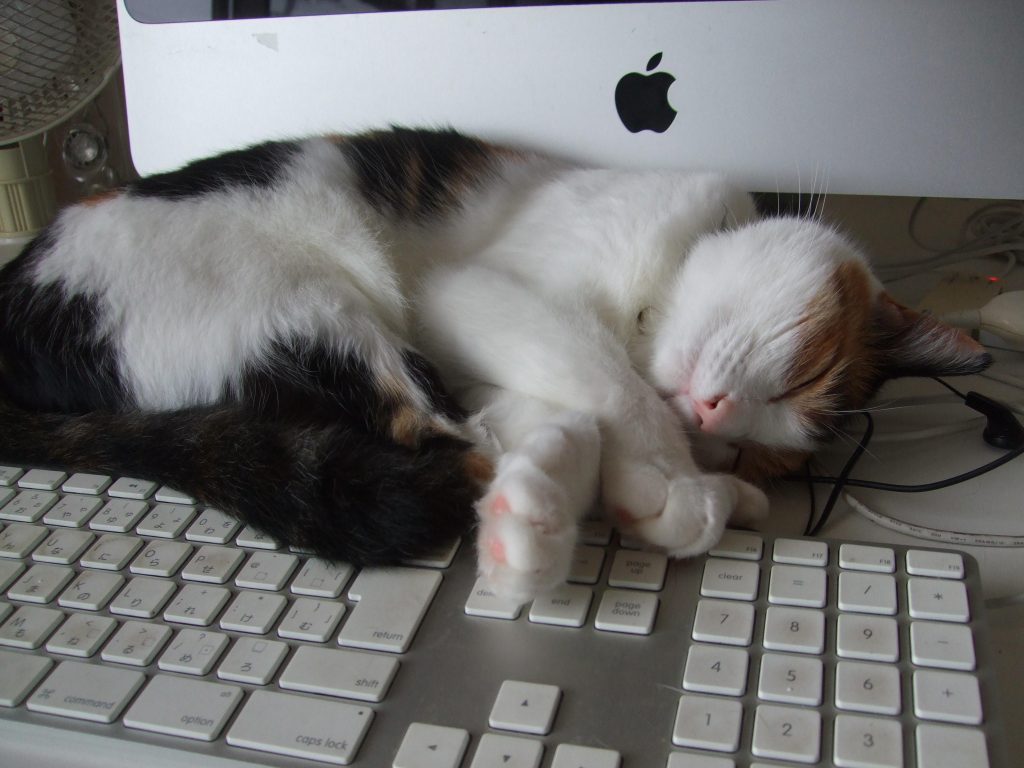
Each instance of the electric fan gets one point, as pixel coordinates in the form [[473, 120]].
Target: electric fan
[[55, 56]]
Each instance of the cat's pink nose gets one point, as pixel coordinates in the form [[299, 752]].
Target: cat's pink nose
[[712, 412]]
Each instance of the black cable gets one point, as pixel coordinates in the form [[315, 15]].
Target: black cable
[[950, 387], [842, 479]]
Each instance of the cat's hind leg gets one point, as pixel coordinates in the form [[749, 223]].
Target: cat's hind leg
[[546, 480]]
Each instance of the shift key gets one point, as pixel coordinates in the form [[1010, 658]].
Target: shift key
[[300, 726], [391, 605]]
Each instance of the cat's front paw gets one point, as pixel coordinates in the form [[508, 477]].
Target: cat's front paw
[[527, 533], [685, 514]]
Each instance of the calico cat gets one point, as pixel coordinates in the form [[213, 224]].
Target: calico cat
[[367, 345]]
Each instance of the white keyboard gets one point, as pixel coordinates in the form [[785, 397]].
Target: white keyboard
[[141, 629]]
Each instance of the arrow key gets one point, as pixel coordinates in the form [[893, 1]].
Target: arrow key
[[525, 707], [431, 746], [497, 751]]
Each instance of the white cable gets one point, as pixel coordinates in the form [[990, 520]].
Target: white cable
[[957, 538]]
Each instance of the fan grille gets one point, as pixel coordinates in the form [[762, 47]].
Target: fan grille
[[55, 55]]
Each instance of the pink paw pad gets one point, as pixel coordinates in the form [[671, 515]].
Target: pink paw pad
[[497, 550], [624, 516], [500, 505]]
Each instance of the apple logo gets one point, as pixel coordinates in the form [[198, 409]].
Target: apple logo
[[642, 100]]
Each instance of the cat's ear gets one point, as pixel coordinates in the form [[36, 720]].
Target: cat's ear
[[909, 343]]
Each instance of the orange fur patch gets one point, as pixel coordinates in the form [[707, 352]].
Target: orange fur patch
[[833, 357], [101, 197], [479, 467]]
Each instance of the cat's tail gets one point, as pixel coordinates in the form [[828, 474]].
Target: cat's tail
[[329, 489]]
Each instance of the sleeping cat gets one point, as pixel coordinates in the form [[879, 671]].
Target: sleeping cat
[[255, 329]]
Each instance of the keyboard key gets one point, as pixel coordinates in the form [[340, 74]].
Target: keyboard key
[[311, 620], [19, 673], [89, 484], [192, 709], [867, 593], [790, 679], [441, 557], [166, 521], [63, 547], [86, 691], [483, 602], [935, 644], [337, 672], [161, 558], [693, 760], [392, 604], [42, 479], [252, 660], [319, 578], [173, 496], [10, 475], [28, 506], [797, 585], [431, 746], [91, 590], [587, 563], [573, 756], [731, 579], [193, 652], [213, 565], [864, 687], [638, 570], [714, 669], [938, 599], [872, 638], [800, 630], [941, 565], [267, 570], [40, 583], [785, 733], [868, 741], [213, 527], [705, 722], [29, 627], [73, 511], [297, 726], [525, 707], [9, 571], [17, 540], [738, 545], [136, 643], [81, 635], [507, 752], [800, 552], [567, 606], [111, 552], [597, 533], [253, 612], [255, 539], [943, 746], [724, 621], [197, 604], [629, 612], [119, 515], [952, 697], [859, 557], [131, 488], [143, 597]]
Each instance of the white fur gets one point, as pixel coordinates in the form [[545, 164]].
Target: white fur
[[528, 301]]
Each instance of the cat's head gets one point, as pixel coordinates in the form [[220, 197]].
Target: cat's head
[[776, 330]]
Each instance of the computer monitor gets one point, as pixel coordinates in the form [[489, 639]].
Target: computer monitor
[[917, 97]]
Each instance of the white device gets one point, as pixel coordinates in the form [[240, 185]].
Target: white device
[[919, 97]]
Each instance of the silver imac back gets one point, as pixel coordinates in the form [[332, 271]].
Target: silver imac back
[[916, 97]]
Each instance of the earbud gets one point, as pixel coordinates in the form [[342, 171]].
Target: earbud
[[1003, 430]]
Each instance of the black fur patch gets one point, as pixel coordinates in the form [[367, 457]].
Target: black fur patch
[[50, 356], [417, 174], [258, 166]]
